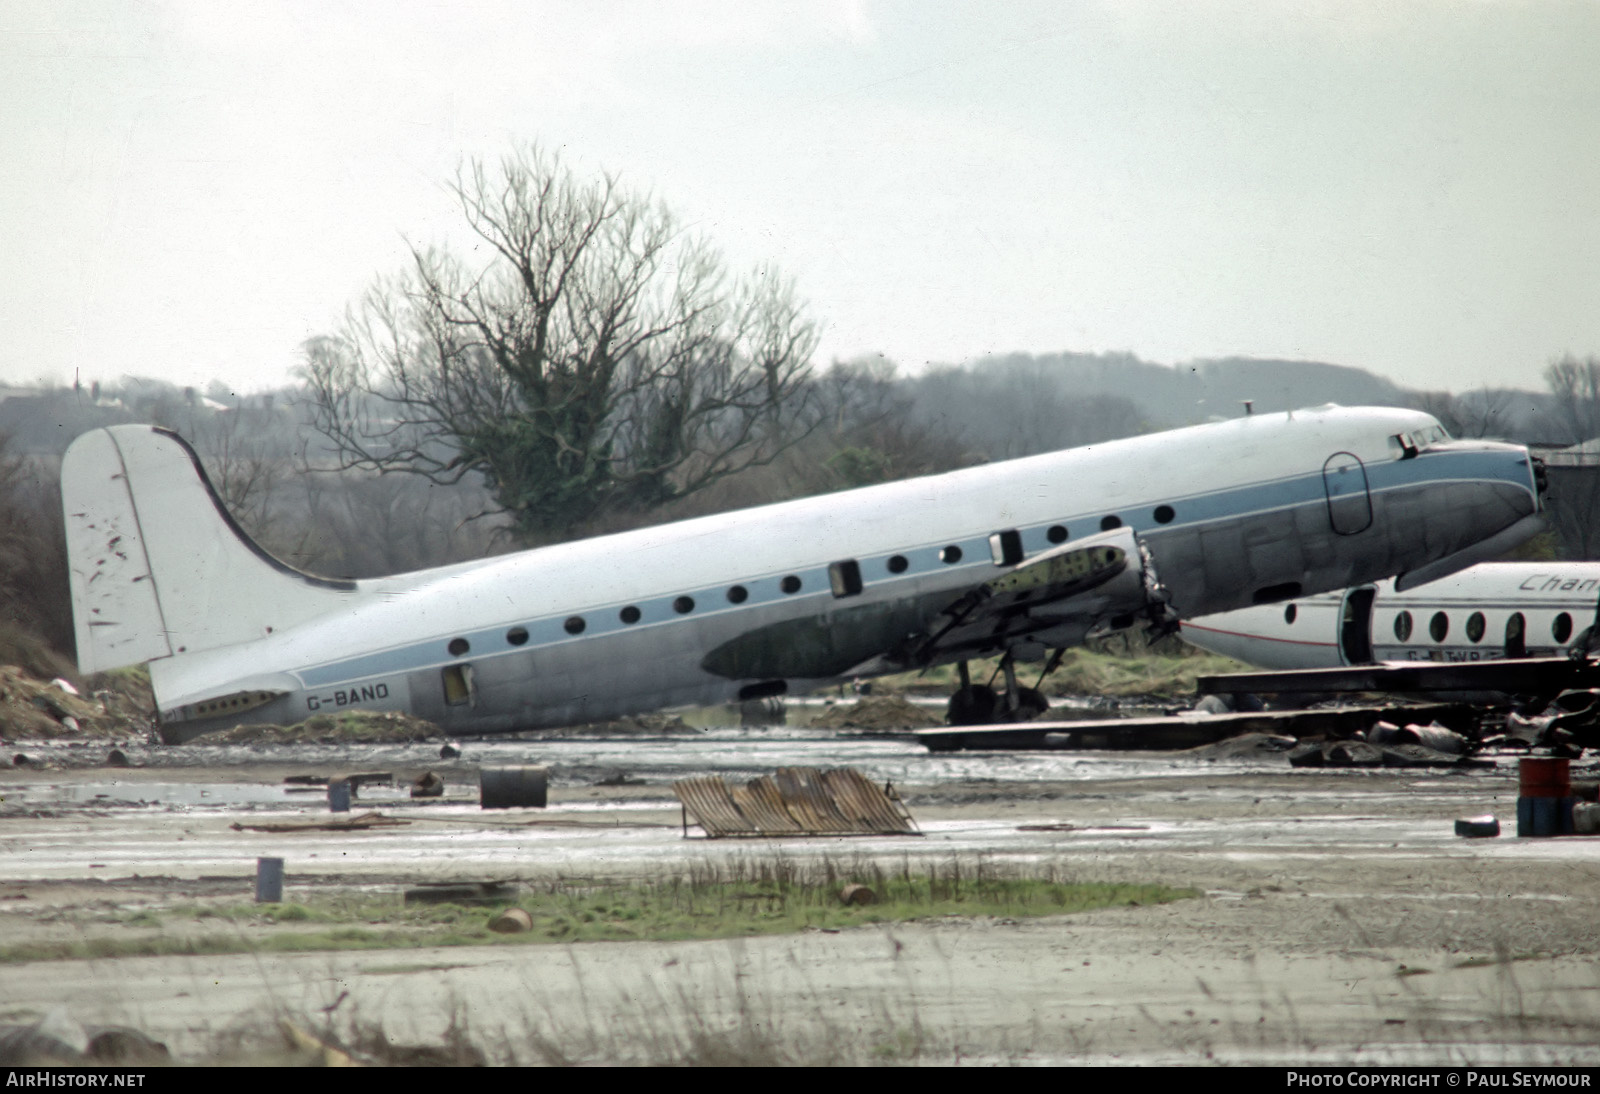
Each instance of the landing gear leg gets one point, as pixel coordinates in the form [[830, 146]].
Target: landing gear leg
[[970, 706], [1020, 704]]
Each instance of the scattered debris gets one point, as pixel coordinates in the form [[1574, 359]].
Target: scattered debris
[[511, 921], [359, 779], [857, 894], [1358, 753], [358, 823], [1432, 736], [462, 892], [1479, 827], [509, 787], [326, 1051], [35, 709], [797, 801], [618, 778], [1245, 746]]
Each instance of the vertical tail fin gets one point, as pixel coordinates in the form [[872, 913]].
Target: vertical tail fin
[[158, 566]]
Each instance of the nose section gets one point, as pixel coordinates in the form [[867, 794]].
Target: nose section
[[1528, 468]]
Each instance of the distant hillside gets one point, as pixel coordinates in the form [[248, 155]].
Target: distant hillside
[[1018, 404]]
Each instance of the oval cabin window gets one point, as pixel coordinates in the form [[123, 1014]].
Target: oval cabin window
[[1439, 626], [1402, 626], [1561, 629]]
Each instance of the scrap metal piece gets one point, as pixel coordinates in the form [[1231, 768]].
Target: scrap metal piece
[[797, 801]]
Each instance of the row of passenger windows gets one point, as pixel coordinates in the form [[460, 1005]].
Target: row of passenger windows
[[844, 577], [1477, 626]]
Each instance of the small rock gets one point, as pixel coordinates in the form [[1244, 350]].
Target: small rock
[[117, 758], [427, 785], [448, 752]]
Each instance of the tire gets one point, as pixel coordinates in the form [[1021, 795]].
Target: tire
[[1031, 703], [971, 706]]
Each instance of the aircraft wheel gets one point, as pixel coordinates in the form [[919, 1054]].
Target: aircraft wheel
[[971, 706], [1031, 703]]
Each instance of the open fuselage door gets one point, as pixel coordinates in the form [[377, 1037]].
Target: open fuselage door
[[1355, 625]]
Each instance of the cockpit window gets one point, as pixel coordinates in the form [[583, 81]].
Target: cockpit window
[[1407, 445]]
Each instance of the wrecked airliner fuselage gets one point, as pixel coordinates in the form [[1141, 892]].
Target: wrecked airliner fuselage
[[1015, 558]]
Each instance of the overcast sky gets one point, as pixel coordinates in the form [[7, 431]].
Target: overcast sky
[[191, 189]]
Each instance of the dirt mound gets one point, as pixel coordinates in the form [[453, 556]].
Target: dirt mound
[[32, 709], [877, 712], [359, 726]]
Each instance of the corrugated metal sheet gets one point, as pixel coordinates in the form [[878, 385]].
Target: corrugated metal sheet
[[797, 801]]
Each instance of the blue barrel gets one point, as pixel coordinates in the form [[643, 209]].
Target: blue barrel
[[1540, 816]]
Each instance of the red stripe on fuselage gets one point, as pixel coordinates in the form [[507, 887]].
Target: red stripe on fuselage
[[1260, 637]]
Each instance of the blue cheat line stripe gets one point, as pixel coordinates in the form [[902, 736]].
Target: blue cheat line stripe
[[1226, 504]]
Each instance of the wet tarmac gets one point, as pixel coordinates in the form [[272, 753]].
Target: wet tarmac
[[174, 811], [1318, 885]]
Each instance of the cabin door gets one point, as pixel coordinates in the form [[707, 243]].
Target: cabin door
[[1349, 502], [1355, 626]]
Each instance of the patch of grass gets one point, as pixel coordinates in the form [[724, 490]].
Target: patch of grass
[[714, 901], [1154, 671]]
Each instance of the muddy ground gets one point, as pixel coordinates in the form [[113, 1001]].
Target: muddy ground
[[1341, 919]]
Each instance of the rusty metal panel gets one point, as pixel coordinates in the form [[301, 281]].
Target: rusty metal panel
[[808, 800], [797, 801], [866, 803], [712, 807], [758, 800]]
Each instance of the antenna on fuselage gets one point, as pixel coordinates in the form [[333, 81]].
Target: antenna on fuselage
[[1249, 407]]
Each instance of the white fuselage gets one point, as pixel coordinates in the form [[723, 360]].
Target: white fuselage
[[1490, 611], [1255, 509]]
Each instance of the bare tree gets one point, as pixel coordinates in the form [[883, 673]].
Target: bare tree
[[1576, 387], [1483, 413], [601, 359]]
